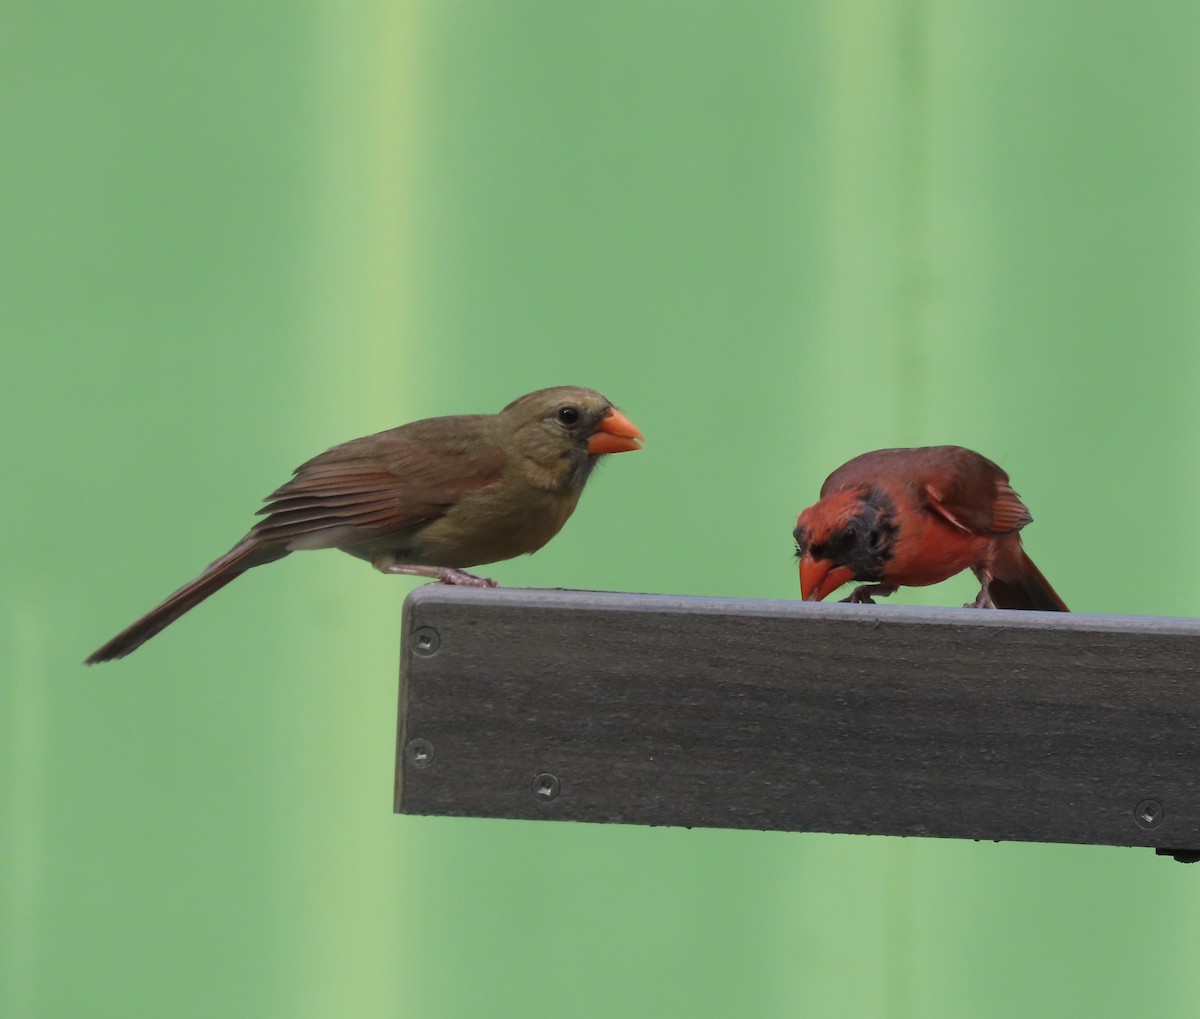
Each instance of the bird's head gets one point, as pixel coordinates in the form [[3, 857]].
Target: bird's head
[[564, 430], [846, 536]]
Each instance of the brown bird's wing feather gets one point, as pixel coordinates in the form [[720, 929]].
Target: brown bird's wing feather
[[392, 481], [367, 498]]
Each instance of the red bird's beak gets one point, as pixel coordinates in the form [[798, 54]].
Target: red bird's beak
[[615, 434], [819, 577]]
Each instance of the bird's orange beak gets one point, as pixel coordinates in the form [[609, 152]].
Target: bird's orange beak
[[615, 434], [820, 577]]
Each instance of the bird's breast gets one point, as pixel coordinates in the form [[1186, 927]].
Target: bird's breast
[[494, 524], [930, 551]]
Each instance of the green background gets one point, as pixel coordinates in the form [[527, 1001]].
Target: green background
[[776, 235]]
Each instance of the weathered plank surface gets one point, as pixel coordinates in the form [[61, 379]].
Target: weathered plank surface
[[664, 710]]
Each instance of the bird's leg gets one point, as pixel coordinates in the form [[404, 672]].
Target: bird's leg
[[983, 600], [387, 563], [862, 595]]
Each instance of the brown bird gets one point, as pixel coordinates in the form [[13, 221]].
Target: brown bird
[[427, 498], [912, 517]]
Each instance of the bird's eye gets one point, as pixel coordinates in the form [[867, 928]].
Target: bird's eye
[[850, 535], [568, 415]]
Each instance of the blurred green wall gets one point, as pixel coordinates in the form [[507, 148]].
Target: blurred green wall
[[777, 235]]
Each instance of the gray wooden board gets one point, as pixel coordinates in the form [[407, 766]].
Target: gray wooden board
[[666, 710]]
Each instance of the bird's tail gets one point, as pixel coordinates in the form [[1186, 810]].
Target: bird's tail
[[245, 554], [1018, 584]]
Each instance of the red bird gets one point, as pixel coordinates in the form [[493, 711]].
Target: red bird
[[912, 517]]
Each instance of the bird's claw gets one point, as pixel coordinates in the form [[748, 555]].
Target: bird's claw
[[461, 578], [858, 597], [861, 595]]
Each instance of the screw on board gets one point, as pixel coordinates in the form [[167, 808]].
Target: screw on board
[[545, 786], [419, 753], [1148, 814], [426, 641]]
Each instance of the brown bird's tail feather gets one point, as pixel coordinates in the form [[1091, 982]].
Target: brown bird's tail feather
[[245, 554], [1018, 584]]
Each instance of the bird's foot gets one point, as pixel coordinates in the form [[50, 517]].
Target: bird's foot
[[982, 601], [442, 574], [462, 578], [862, 595]]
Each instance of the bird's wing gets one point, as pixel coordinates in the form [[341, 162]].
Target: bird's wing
[[977, 501], [390, 481], [972, 493]]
